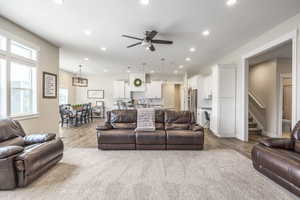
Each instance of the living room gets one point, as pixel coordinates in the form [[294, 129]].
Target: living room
[[123, 100]]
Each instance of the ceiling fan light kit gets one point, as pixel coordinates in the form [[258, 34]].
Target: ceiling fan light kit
[[147, 41]]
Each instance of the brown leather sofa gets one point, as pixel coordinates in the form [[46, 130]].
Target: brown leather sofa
[[174, 131], [24, 158], [279, 159]]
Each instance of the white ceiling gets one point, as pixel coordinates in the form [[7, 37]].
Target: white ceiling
[[179, 20]]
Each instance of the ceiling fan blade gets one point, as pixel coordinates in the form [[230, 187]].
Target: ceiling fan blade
[[152, 48], [133, 45], [162, 42], [151, 35], [131, 37]]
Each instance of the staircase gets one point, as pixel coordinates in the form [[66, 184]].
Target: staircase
[[253, 128]]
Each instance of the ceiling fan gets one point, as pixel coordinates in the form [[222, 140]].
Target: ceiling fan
[[148, 40]]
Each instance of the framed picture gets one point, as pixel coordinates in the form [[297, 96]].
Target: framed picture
[[95, 94], [49, 85]]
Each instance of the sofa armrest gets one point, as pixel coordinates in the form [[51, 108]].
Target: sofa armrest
[[196, 128], [39, 138], [8, 151], [278, 143], [104, 127]]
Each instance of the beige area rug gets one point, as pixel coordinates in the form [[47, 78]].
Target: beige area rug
[[151, 175]]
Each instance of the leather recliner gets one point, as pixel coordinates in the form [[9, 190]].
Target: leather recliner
[[182, 132], [279, 159], [24, 158], [118, 130]]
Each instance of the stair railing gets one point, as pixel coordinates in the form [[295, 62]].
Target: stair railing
[[256, 100]]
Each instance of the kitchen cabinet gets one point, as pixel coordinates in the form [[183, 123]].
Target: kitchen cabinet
[[127, 91], [207, 85], [119, 90], [153, 90]]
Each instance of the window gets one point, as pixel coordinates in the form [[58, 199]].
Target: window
[[2, 88], [23, 89], [22, 50], [2, 43], [63, 96], [18, 79]]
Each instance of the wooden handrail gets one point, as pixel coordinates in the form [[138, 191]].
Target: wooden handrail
[[256, 100]]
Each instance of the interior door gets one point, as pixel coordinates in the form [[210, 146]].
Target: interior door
[[287, 99]]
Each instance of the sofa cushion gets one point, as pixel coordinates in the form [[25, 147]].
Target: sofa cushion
[[283, 163], [39, 138], [10, 129], [184, 137], [17, 141], [116, 136], [151, 138], [123, 116], [179, 117], [123, 119], [175, 126], [177, 120], [123, 125]]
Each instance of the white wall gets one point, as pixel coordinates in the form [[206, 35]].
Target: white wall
[[235, 57], [262, 83], [105, 82], [48, 62]]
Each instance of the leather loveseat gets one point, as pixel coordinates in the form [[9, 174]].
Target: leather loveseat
[[24, 158], [279, 159], [174, 131]]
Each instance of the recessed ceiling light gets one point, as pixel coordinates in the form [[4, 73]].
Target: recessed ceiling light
[[231, 2], [181, 66], [144, 2], [128, 71], [103, 48], [86, 59], [152, 71], [59, 2], [176, 72], [206, 33], [188, 59], [88, 32], [105, 70], [192, 49]]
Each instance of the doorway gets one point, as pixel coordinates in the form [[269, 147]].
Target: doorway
[[172, 95], [243, 130]]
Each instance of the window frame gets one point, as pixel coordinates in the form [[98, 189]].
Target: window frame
[[10, 57]]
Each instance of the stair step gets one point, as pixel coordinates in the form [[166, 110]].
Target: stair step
[[255, 131], [250, 119], [252, 125]]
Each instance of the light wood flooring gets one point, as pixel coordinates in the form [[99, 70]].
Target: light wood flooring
[[85, 137]]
